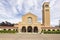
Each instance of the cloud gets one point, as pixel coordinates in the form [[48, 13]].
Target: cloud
[[12, 10], [52, 3], [55, 12]]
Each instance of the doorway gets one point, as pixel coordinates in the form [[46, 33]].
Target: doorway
[[23, 29], [29, 29], [35, 30]]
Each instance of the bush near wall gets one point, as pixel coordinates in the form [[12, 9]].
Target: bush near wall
[[50, 32], [8, 31]]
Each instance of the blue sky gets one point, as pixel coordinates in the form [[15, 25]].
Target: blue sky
[[12, 10]]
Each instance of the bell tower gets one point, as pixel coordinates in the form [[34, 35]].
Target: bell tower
[[46, 14]]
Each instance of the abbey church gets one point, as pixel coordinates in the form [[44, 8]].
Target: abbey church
[[29, 22]]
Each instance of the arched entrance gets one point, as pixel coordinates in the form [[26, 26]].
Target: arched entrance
[[23, 29], [29, 29], [35, 29]]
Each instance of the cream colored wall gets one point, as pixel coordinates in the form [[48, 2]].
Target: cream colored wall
[[25, 18], [25, 22]]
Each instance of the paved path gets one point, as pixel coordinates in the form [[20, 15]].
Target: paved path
[[29, 36]]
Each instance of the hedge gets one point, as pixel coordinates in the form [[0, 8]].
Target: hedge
[[50, 32], [8, 31]]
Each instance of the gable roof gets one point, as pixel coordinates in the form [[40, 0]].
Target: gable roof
[[29, 13]]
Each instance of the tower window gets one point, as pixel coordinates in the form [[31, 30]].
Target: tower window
[[46, 5], [47, 9]]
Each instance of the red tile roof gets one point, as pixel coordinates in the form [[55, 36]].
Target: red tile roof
[[50, 28], [8, 27]]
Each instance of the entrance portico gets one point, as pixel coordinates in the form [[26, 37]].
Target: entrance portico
[[29, 29]]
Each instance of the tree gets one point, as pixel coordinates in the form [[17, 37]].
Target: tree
[[6, 24]]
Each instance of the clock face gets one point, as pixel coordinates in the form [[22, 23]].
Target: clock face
[[29, 20]]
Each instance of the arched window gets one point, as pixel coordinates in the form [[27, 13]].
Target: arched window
[[9, 29], [58, 30], [53, 30], [48, 29], [4, 29], [29, 20]]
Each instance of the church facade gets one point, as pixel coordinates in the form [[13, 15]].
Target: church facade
[[29, 21]]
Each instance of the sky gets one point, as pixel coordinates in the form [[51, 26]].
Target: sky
[[13, 10]]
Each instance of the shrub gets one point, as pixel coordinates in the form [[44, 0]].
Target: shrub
[[51, 32], [44, 30], [8, 31]]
